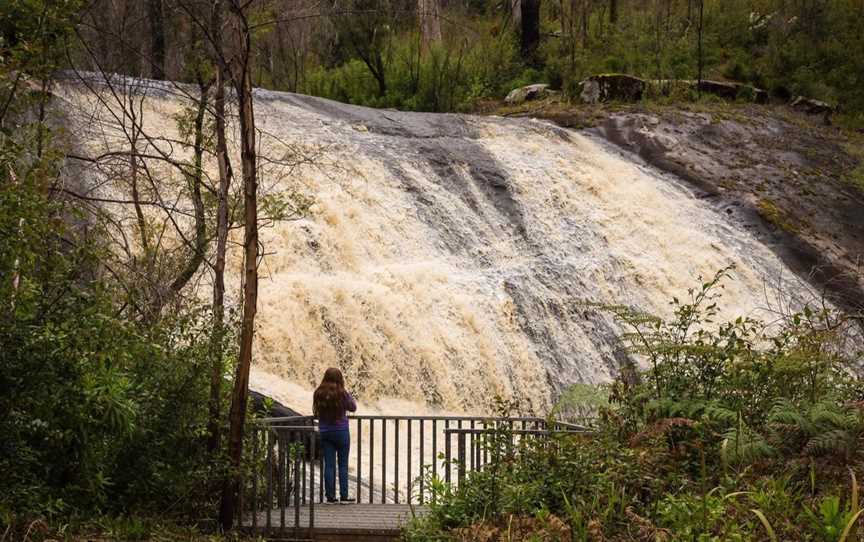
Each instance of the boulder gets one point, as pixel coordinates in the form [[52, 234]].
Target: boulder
[[612, 87], [527, 93], [733, 91], [811, 106]]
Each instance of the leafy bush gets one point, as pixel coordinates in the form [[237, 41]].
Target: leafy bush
[[733, 426]]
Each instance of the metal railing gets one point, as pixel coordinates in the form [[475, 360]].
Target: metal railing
[[391, 460]]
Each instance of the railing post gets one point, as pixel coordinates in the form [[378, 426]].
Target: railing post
[[434, 451], [473, 466], [461, 452], [383, 460], [255, 435], [371, 459], [302, 442], [297, 500], [312, 462], [396, 462], [408, 464], [359, 456], [283, 474], [269, 479], [422, 453], [447, 455]]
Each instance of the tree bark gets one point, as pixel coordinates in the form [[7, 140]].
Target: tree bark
[[530, 29], [156, 15], [194, 180], [242, 82], [225, 177], [429, 13], [585, 14]]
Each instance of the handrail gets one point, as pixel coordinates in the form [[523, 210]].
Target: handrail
[[391, 459]]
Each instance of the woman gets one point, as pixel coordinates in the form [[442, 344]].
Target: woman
[[330, 404]]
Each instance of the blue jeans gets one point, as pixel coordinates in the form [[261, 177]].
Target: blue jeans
[[335, 443]]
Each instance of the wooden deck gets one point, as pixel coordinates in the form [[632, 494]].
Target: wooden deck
[[360, 522]]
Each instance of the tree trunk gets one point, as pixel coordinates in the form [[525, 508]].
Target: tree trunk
[[613, 11], [516, 12], [194, 180], [225, 177], [429, 14], [530, 29], [585, 14], [701, 20], [242, 82], [156, 16]]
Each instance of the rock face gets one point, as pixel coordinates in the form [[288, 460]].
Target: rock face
[[527, 93], [612, 87], [784, 182]]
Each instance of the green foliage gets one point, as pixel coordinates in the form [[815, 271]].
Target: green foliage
[[735, 430], [440, 78], [99, 412], [812, 49]]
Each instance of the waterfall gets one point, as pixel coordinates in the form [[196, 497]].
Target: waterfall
[[447, 259]]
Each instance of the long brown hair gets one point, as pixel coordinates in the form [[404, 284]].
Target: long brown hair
[[328, 402]]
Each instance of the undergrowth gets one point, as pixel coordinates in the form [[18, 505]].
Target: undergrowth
[[739, 430]]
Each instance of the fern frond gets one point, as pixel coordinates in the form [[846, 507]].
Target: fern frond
[[836, 442], [743, 445]]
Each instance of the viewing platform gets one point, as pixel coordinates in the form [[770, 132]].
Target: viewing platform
[[391, 463]]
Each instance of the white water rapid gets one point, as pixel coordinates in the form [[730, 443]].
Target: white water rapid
[[445, 258]]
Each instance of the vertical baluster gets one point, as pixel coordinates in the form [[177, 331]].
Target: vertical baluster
[[359, 455], [256, 435], [447, 456], [317, 436], [461, 457], [312, 481], [396, 462], [434, 450], [422, 450], [408, 464], [297, 474], [383, 460], [269, 478], [302, 450], [371, 459], [473, 465], [283, 474], [485, 443]]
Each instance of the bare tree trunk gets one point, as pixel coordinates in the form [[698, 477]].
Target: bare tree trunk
[[585, 14], [516, 13], [429, 14], [701, 20], [225, 176], [156, 15], [530, 29], [242, 82], [195, 179], [613, 11]]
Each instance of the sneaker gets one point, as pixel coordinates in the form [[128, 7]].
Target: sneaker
[[346, 501], [331, 501]]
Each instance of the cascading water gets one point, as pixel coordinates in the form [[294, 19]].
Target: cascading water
[[446, 258]]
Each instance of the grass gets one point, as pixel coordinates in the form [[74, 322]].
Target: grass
[[769, 210], [855, 148]]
